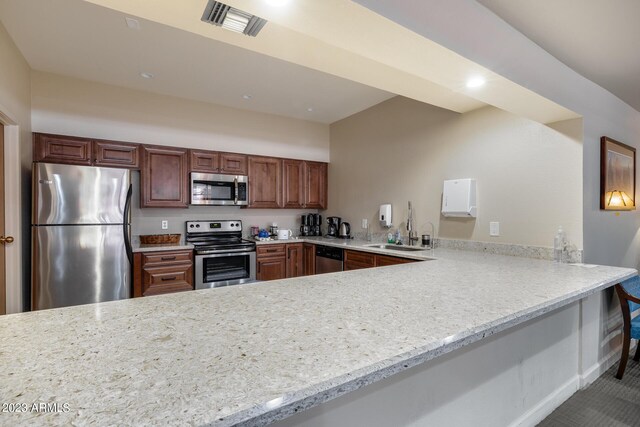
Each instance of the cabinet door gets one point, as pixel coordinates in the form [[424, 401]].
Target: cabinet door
[[62, 149], [163, 178], [355, 260], [294, 260], [384, 260], [233, 164], [293, 183], [116, 154], [309, 259], [265, 182], [272, 268], [315, 185], [204, 161]]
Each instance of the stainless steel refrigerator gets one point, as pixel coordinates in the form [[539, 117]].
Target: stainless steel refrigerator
[[81, 235]]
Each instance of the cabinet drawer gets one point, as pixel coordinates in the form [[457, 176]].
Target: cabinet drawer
[[166, 258], [161, 280], [274, 250], [351, 265], [363, 258]]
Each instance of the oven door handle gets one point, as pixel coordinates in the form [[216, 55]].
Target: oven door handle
[[224, 252], [235, 184]]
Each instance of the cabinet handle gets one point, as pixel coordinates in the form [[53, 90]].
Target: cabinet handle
[[258, 267], [168, 279], [168, 258]]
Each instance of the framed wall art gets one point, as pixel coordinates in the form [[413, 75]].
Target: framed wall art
[[617, 175]]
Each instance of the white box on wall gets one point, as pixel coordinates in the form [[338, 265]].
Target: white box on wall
[[459, 198]]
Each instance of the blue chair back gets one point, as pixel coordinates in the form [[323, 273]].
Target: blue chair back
[[632, 287]]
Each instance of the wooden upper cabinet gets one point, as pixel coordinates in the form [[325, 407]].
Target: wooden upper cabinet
[[62, 149], [293, 183], [315, 185], [265, 182], [164, 178], [204, 161], [233, 164], [116, 154]]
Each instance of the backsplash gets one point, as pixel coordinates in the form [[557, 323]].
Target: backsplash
[[149, 221]]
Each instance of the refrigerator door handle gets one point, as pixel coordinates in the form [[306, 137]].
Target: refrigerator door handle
[[126, 227]]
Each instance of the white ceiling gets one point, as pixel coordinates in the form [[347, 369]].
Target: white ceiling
[[79, 39], [597, 38]]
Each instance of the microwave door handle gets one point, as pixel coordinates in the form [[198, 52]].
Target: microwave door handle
[[235, 183]]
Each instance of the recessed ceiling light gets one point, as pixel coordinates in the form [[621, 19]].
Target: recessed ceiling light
[[277, 3], [474, 82], [310, 109], [132, 23], [247, 97], [145, 75]]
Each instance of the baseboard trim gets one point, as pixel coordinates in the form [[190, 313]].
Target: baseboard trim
[[547, 405], [595, 371]]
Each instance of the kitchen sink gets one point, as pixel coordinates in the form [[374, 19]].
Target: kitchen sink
[[396, 248]]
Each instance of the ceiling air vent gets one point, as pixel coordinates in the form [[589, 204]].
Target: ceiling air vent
[[233, 19]]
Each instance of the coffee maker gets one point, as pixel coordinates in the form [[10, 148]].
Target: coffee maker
[[311, 225], [333, 226]]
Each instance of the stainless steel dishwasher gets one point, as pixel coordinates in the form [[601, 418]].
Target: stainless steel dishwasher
[[328, 259]]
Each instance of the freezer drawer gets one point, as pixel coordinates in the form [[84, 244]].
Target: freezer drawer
[[79, 264]]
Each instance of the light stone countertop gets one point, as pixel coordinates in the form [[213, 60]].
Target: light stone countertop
[[251, 354]]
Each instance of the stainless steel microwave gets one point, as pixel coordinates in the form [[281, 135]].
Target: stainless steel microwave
[[219, 190]]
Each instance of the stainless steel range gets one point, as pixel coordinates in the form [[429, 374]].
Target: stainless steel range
[[223, 257]]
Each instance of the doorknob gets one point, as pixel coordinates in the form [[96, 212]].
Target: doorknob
[[6, 240]]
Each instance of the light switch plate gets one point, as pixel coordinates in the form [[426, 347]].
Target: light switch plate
[[365, 223], [494, 229], [165, 224]]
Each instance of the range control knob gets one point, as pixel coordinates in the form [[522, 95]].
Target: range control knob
[[197, 225], [191, 226]]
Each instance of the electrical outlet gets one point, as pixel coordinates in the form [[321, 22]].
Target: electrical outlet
[[494, 229], [165, 224], [365, 223]]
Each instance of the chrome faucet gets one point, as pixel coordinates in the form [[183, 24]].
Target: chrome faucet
[[432, 244], [412, 234]]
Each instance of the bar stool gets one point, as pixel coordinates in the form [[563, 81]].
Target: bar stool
[[629, 295]]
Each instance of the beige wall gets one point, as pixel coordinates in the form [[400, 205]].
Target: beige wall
[[529, 176], [78, 107], [15, 102]]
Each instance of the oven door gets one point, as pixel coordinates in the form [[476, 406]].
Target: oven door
[[224, 269]]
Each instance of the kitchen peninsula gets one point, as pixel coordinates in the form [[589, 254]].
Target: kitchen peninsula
[[253, 354]]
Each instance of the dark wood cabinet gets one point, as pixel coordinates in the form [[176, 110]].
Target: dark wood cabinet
[[309, 259], [295, 267], [233, 164], [293, 179], [162, 272], [62, 149], [384, 260], [315, 185], [279, 261], [116, 154], [355, 260], [265, 182], [204, 161], [164, 178]]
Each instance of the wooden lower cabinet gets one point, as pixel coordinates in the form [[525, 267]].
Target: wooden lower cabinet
[[309, 259], [279, 261], [355, 260], [162, 272]]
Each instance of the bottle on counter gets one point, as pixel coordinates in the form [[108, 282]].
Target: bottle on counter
[[559, 245]]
